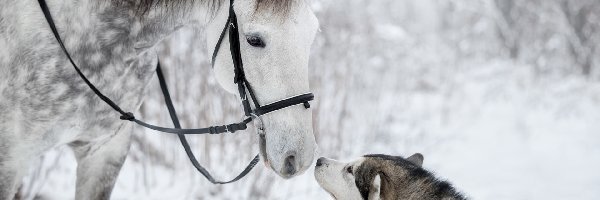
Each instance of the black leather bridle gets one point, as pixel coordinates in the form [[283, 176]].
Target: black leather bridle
[[240, 79]]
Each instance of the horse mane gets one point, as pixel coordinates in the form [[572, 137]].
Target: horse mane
[[279, 7]]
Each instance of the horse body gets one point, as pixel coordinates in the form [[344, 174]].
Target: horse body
[[43, 102]]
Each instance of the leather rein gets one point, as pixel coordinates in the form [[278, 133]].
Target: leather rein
[[244, 89]]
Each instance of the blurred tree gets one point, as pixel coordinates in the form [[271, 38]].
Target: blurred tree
[[582, 19]]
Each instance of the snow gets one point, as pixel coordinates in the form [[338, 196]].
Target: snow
[[498, 126]]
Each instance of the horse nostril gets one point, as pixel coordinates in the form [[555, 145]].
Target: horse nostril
[[320, 161], [290, 165]]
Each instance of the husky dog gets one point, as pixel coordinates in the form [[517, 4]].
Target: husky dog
[[381, 177]]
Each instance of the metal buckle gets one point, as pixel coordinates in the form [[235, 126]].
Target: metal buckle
[[260, 126]]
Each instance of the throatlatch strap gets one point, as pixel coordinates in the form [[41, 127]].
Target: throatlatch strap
[[219, 42], [184, 142]]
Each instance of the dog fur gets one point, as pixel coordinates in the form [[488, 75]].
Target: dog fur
[[379, 176]]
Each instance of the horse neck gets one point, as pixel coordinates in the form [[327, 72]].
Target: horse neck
[[159, 23], [104, 26], [111, 44]]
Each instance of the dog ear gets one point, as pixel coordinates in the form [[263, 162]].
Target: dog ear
[[416, 159], [374, 192], [364, 176]]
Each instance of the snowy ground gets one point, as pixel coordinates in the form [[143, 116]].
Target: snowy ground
[[387, 81]]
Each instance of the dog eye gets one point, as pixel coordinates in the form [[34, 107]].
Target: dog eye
[[255, 41], [349, 169]]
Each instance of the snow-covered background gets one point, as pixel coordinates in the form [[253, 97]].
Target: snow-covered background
[[501, 96]]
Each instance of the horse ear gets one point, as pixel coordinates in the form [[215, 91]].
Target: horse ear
[[374, 193], [416, 159], [364, 178]]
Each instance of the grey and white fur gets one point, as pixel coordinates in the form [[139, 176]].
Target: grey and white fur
[[43, 102], [376, 177]]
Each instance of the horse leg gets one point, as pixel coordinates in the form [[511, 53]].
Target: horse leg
[[11, 174], [99, 163], [13, 167]]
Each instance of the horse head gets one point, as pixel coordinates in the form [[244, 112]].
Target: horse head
[[275, 38]]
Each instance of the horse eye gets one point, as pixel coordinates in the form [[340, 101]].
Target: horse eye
[[255, 41], [349, 169]]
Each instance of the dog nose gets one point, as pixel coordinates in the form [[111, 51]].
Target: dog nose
[[320, 161], [290, 164]]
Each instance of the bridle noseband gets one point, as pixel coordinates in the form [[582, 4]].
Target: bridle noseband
[[244, 88]]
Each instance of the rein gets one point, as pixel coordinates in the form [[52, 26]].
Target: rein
[[239, 79]]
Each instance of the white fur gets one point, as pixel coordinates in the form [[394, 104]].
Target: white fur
[[333, 176]]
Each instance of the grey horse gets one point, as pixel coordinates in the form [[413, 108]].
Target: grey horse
[[44, 104]]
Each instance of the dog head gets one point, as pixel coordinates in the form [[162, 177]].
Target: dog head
[[362, 178]]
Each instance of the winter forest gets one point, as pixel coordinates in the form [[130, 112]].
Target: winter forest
[[502, 97]]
